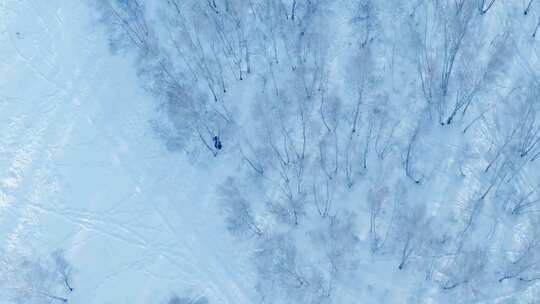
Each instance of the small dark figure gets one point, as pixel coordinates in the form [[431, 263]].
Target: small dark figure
[[217, 143]]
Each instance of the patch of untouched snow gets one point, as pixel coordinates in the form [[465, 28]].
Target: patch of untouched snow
[[81, 170]]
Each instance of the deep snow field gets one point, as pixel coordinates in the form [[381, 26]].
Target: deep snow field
[[345, 175]]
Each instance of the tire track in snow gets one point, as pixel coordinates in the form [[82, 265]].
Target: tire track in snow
[[185, 258]]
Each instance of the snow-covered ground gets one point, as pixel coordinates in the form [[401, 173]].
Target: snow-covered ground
[[87, 165], [81, 170]]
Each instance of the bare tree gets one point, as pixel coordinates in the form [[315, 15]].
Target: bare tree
[[187, 300], [378, 200], [240, 216], [338, 244], [464, 268], [128, 22], [524, 263], [528, 7], [280, 269], [409, 160], [37, 280], [450, 81], [523, 203], [485, 5], [412, 231], [528, 128], [63, 268], [385, 130]]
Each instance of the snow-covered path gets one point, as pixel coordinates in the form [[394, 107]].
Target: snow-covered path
[[81, 170]]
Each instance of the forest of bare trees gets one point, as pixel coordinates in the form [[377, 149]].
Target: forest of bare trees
[[399, 131]]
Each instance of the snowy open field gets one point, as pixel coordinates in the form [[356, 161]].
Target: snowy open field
[[80, 169]]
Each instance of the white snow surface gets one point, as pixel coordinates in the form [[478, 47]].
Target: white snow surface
[[82, 170]]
